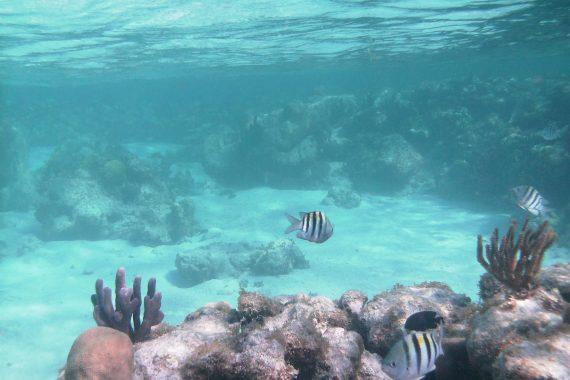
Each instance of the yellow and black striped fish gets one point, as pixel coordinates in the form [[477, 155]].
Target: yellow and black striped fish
[[414, 355], [313, 226]]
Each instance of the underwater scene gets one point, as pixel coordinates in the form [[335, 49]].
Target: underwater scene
[[319, 189]]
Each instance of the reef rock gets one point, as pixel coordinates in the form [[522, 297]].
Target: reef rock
[[386, 163], [232, 259], [288, 144], [278, 257], [100, 353], [512, 327], [557, 276], [16, 189], [92, 190], [342, 197], [383, 316], [165, 356], [547, 357], [297, 336]]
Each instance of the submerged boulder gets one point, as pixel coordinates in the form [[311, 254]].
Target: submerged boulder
[[342, 196], [94, 190], [382, 317], [219, 260], [100, 353], [281, 338], [278, 257], [288, 142], [384, 163], [523, 335]]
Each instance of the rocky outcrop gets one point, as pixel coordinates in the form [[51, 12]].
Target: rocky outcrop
[[382, 317], [342, 196], [92, 190], [387, 164], [16, 188], [290, 337], [288, 144], [281, 338], [511, 331], [218, 260]]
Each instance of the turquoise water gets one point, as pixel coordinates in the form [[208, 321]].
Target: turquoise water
[[115, 116]]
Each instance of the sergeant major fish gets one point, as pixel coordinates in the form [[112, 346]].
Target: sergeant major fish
[[414, 356], [313, 226], [529, 199]]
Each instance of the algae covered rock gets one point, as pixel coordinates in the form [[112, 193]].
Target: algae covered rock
[[509, 321], [342, 196], [278, 257], [547, 357], [219, 260], [16, 187], [385, 163], [383, 316], [165, 356], [557, 276], [94, 190], [267, 338]]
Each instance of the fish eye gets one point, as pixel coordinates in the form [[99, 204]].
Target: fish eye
[[393, 364]]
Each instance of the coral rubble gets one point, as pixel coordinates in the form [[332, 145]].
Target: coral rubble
[[127, 305]]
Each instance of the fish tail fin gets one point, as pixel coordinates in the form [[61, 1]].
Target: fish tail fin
[[295, 224]]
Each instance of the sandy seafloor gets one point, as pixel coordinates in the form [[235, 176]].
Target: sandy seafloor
[[45, 287]]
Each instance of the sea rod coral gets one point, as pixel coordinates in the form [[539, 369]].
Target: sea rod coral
[[516, 264], [127, 305]]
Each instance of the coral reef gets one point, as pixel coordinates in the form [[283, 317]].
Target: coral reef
[[341, 196], [232, 259], [282, 338], [302, 336], [522, 325], [100, 353], [516, 264], [93, 190], [382, 316], [16, 188], [289, 144], [290, 336], [127, 305]]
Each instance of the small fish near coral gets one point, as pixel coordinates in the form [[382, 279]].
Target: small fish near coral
[[423, 320], [530, 200], [313, 226], [414, 356]]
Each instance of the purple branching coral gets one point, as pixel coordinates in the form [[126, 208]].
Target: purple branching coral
[[516, 263], [127, 306]]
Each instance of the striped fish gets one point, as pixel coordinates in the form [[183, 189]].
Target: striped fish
[[414, 356], [552, 132], [313, 226], [529, 199]]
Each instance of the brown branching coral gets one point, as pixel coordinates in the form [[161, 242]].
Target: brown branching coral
[[516, 262]]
